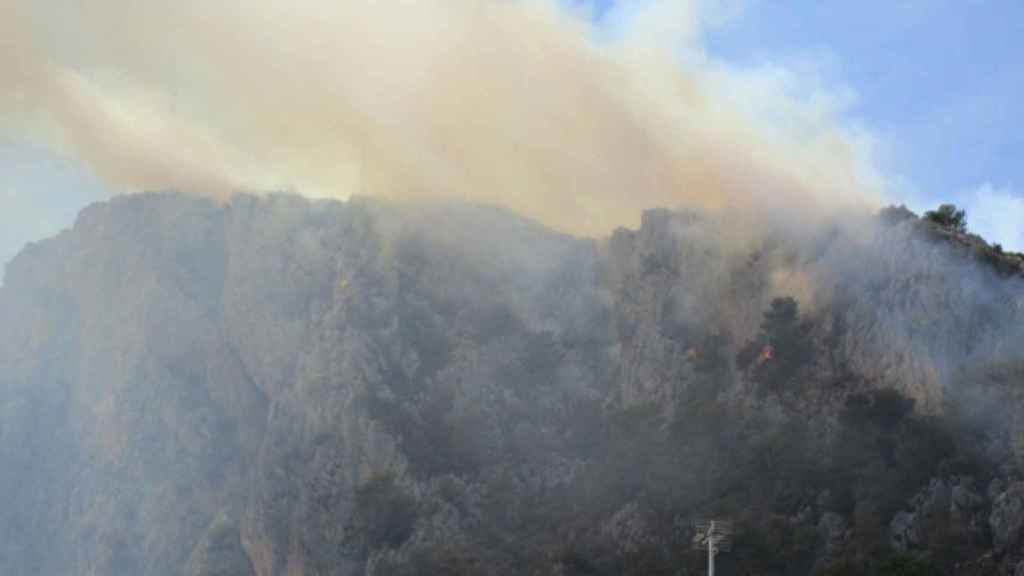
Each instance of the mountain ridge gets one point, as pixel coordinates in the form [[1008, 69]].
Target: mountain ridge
[[280, 386]]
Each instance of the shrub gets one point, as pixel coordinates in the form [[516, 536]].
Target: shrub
[[892, 215], [384, 514], [949, 217], [885, 408], [782, 348], [905, 565]]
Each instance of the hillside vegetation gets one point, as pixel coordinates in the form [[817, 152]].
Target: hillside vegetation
[[277, 387]]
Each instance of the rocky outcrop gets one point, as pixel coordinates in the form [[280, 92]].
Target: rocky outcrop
[[1007, 517], [909, 530], [219, 551], [945, 502], [832, 533]]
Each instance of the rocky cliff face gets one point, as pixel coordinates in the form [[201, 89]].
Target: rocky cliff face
[[284, 387]]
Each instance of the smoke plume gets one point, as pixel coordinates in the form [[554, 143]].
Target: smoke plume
[[524, 104]]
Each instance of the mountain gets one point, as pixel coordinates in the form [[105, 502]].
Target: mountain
[[276, 386]]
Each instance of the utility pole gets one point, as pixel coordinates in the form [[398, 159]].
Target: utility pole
[[715, 536], [711, 551]]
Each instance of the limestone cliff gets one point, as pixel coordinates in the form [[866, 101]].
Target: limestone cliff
[[277, 386]]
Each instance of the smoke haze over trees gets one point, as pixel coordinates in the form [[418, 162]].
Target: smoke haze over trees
[[281, 386]]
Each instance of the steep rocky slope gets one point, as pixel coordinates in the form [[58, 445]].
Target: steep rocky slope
[[284, 387]]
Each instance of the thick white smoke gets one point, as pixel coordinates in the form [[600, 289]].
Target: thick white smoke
[[515, 102]]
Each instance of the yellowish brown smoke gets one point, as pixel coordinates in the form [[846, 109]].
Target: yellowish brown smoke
[[513, 102]]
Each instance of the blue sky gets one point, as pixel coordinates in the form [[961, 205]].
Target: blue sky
[[40, 193], [938, 82], [941, 82]]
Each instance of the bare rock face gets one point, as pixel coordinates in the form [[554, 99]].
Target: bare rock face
[[282, 387], [965, 499], [1007, 518], [905, 532], [944, 501], [832, 531], [628, 528], [219, 552]]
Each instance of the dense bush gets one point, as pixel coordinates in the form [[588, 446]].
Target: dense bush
[[384, 514], [905, 565], [892, 215], [949, 217], [782, 347]]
